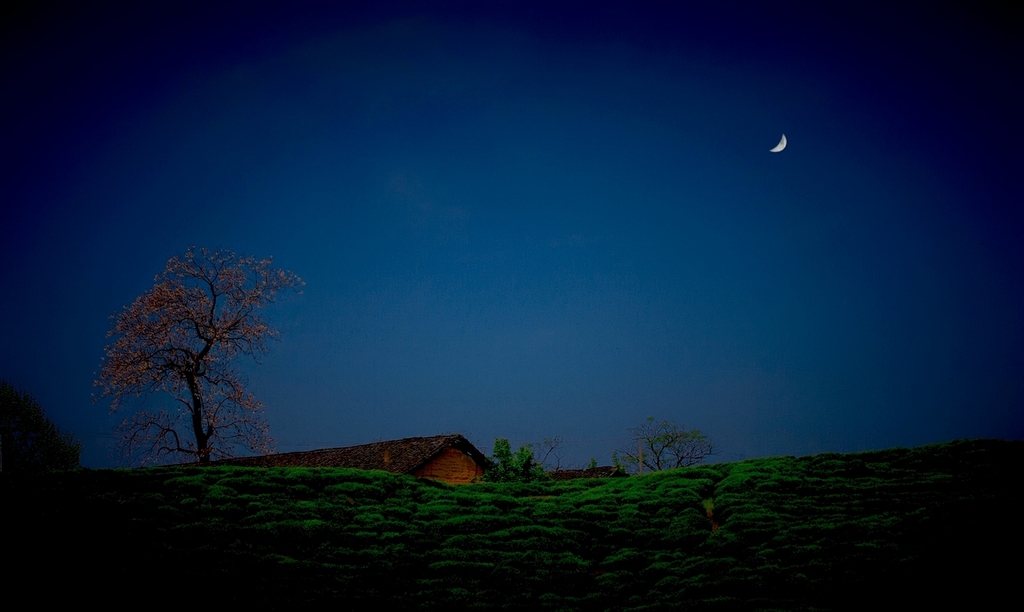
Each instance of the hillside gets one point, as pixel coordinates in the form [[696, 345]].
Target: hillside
[[918, 526]]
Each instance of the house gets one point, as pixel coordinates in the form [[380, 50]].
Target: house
[[605, 471], [451, 458]]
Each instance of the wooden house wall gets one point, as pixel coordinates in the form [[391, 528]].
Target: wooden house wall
[[452, 466]]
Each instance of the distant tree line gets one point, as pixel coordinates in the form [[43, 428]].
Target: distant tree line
[[658, 446]]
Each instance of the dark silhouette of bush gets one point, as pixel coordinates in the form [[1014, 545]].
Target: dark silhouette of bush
[[30, 442]]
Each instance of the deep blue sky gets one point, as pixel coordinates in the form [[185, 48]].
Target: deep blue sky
[[537, 219]]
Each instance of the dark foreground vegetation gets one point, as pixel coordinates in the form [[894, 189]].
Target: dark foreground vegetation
[[902, 528]]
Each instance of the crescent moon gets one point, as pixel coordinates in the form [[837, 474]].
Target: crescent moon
[[782, 145]]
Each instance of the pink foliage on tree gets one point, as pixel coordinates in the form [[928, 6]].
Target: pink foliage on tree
[[181, 338]]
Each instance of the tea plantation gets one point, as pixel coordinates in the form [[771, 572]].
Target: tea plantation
[[931, 526]]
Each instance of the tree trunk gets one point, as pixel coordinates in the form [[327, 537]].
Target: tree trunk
[[202, 448]]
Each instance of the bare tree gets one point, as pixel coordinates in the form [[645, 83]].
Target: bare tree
[[661, 446], [181, 338], [549, 452]]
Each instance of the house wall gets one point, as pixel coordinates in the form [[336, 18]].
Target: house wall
[[452, 466]]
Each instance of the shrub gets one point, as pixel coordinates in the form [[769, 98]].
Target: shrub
[[30, 442]]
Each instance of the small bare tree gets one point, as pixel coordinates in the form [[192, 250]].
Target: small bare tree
[[662, 446], [549, 452], [181, 338]]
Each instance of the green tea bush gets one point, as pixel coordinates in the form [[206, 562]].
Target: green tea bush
[[792, 532]]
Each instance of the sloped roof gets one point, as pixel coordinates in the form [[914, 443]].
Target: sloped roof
[[399, 456], [605, 471]]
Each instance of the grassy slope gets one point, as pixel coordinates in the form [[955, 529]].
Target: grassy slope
[[923, 525]]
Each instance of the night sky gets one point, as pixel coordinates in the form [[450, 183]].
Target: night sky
[[530, 220]]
